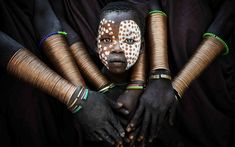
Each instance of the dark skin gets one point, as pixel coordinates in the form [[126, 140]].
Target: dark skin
[[156, 104], [96, 117], [128, 100]]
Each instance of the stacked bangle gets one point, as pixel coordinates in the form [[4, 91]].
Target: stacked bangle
[[74, 103], [48, 35], [106, 88], [226, 51], [177, 96]]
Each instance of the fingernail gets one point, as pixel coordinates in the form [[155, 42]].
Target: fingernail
[[132, 125], [119, 104], [127, 112], [140, 138], [131, 137], [120, 142], [128, 129], [122, 134], [100, 139]]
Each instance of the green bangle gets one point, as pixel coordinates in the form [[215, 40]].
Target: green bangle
[[135, 87], [226, 51], [158, 11], [77, 109], [86, 95]]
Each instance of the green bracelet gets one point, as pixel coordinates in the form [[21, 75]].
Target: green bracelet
[[77, 108], [135, 87], [221, 40], [158, 11]]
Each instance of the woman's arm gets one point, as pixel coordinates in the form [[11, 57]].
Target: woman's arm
[[213, 44], [53, 43], [25, 66]]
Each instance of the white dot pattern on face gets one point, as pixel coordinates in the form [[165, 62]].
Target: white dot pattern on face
[[103, 51], [128, 29]]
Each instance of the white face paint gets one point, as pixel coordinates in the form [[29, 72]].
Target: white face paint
[[127, 35], [130, 41]]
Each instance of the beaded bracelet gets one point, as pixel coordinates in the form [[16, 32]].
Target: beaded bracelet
[[51, 34], [107, 88], [157, 11], [82, 94], [159, 76], [205, 35]]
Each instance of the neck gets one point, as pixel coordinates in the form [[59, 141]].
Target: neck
[[121, 78]]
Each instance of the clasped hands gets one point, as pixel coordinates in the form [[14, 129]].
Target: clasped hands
[[142, 112], [138, 115]]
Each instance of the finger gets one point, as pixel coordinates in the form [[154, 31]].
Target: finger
[[122, 120], [136, 118], [172, 113], [105, 137], [145, 125], [97, 136], [113, 133], [153, 128], [133, 136], [124, 111], [117, 125], [162, 116], [115, 105]]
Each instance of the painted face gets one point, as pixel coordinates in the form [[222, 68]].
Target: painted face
[[119, 41]]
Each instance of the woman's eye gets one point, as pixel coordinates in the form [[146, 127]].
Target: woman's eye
[[129, 41], [106, 40]]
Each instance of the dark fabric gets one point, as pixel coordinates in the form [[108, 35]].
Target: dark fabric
[[206, 113], [28, 116]]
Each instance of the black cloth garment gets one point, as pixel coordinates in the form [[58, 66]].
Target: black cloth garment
[[206, 114], [28, 117]]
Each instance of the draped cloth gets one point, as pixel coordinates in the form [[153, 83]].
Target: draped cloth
[[205, 116], [29, 117]]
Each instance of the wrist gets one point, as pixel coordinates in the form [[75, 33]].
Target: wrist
[[136, 85], [160, 74], [77, 100]]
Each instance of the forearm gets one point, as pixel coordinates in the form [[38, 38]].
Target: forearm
[[205, 54], [57, 50], [87, 66], [211, 46], [27, 67], [53, 44], [83, 59], [157, 32]]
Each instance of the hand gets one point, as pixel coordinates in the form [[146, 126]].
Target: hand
[[98, 121], [157, 101], [129, 100]]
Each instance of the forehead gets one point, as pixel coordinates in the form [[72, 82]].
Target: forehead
[[119, 16]]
